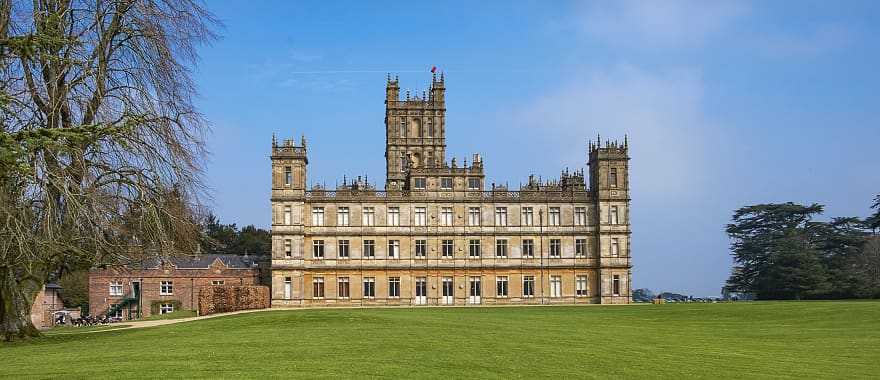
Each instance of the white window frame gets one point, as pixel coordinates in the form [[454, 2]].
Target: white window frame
[[615, 247], [339, 287], [318, 249], [288, 175], [218, 282], [318, 288], [580, 216], [166, 288], [372, 287], [317, 216], [443, 182], [369, 249], [613, 215], [474, 249], [166, 308], [555, 248], [421, 216], [530, 280], [288, 215], [500, 216], [342, 216], [393, 287], [393, 216], [555, 216], [528, 216], [343, 248], [420, 183], [530, 252], [447, 244], [421, 248], [473, 216], [502, 286], [581, 287], [501, 248], [555, 286], [369, 216], [393, 249], [288, 248], [471, 182], [447, 216], [116, 289], [580, 247]]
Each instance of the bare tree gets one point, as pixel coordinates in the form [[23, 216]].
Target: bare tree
[[101, 148]]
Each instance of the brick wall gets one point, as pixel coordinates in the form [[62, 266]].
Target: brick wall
[[223, 299]]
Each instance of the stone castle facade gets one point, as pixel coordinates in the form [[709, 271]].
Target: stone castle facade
[[437, 236]]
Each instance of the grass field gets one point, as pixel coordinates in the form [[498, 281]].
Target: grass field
[[803, 340]]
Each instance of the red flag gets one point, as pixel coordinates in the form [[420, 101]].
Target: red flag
[[433, 69]]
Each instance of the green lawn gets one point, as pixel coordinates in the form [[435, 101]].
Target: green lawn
[[802, 340]]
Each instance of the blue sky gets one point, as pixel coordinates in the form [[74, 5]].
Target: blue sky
[[725, 103]]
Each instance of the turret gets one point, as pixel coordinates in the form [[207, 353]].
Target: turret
[[289, 162]]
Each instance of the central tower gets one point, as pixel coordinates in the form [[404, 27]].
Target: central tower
[[415, 130]]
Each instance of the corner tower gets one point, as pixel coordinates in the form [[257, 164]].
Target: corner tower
[[415, 130]]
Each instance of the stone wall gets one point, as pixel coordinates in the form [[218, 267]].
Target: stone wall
[[223, 299]]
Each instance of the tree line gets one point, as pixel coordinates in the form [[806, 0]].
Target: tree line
[[781, 252]]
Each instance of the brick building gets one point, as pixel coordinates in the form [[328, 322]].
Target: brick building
[[437, 236], [159, 287]]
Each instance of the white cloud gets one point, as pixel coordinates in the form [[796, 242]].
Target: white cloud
[[655, 23]]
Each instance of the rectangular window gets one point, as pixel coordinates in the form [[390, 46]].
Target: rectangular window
[[528, 216], [501, 286], [615, 285], [218, 282], [555, 286], [446, 183], [528, 248], [318, 287], [165, 308], [612, 178], [369, 287], [421, 216], [318, 249], [447, 248], [474, 183], [288, 216], [474, 248], [500, 216], [448, 290], [117, 312], [288, 176], [446, 216], [501, 248], [476, 290], [394, 287], [419, 183], [394, 216], [581, 286], [369, 249], [393, 249], [615, 247], [342, 216], [528, 286], [421, 248], [555, 248], [580, 216], [580, 247], [166, 288], [554, 216], [473, 216], [342, 287], [343, 249], [369, 216], [288, 287], [612, 217], [288, 248], [318, 216], [115, 288]]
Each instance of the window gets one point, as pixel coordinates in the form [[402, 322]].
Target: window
[[528, 216], [501, 248], [615, 247], [369, 287], [318, 287], [117, 311], [402, 131], [369, 216], [394, 287], [430, 123], [393, 249], [528, 248], [555, 248], [288, 248], [554, 216], [580, 247], [421, 290], [115, 288], [476, 290], [446, 216], [343, 249], [446, 183], [580, 286], [164, 308], [218, 282], [288, 176], [612, 217], [318, 249], [342, 216], [612, 178], [500, 216], [447, 248], [403, 161], [369, 249], [474, 183], [473, 216], [419, 183], [288, 216], [448, 290], [615, 285], [288, 287], [501, 286], [342, 287], [421, 248], [166, 288], [555, 286], [528, 286], [394, 216], [318, 216], [580, 216], [421, 216], [474, 248]]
